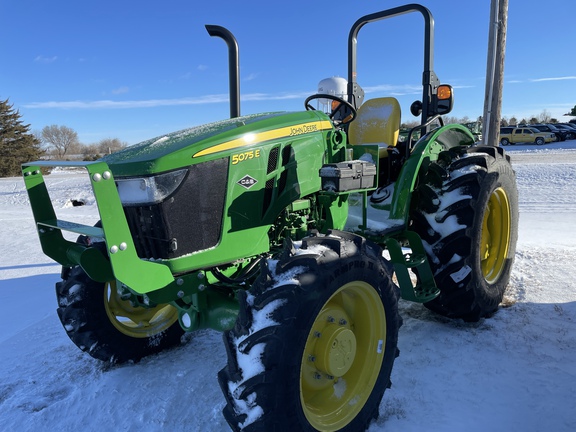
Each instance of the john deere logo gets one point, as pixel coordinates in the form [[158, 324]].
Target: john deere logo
[[247, 181]]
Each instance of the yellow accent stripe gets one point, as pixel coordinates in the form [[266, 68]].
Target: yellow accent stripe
[[255, 138]]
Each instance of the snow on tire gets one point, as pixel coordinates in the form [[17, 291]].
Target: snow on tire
[[108, 327], [466, 211], [315, 340]]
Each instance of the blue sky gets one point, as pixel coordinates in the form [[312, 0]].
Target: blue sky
[[134, 70]]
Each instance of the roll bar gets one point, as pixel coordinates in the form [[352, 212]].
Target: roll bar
[[430, 81]]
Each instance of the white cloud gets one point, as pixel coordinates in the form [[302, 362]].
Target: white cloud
[[564, 78], [206, 99], [44, 59], [554, 79], [152, 103], [396, 90], [121, 90], [251, 76], [108, 104], [202, 67]]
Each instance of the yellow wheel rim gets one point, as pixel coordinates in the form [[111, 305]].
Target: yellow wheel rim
[[137, 322], [342, 356], [496, 231]]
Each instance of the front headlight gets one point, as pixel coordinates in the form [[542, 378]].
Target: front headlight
[[149, 190]]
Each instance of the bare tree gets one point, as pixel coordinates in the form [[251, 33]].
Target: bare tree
[[410, 124], [61, 138], [111, 145], [90, 152], [450, 119], [544, 116]]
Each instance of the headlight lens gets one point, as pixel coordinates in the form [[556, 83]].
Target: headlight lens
[[149, 190]]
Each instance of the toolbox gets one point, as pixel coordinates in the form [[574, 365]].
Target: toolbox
[[347, 176]]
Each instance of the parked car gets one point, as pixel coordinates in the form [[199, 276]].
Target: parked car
[[512, 135], [560, 135], [572, 125], [569, 131]]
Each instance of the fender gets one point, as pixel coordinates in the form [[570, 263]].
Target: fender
[[425, 151]]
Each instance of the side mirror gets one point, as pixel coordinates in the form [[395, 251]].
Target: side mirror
[[444, 99], [442, 102], [416, 108]]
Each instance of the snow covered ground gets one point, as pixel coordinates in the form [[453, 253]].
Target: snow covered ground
[[513, 372]]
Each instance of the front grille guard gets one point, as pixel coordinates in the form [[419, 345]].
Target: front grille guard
[[122, 262]]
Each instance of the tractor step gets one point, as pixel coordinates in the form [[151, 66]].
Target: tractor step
[[414, 260], [425, 288]]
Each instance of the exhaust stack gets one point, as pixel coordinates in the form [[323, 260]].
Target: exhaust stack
[[233, 66]]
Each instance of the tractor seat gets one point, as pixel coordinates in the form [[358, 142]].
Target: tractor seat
[[378, 122]]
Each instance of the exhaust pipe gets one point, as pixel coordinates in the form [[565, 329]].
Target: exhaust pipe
[[233, 65]]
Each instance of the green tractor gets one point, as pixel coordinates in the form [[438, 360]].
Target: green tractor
[[293, 233]]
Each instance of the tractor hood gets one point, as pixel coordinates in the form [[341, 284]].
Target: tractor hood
[[212, 141]]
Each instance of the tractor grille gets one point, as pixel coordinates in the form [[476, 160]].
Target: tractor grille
[[188, 221], [269, 187]]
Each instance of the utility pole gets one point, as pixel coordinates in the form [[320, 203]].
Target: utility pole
[[495, 72]]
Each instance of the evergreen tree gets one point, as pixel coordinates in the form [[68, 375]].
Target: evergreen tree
[[17, 144]]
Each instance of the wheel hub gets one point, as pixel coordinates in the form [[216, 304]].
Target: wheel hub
[[342, 356], [336, 350], [496, 233], [137, 322]]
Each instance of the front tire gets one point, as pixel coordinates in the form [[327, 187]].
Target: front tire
[[109, 327], [315, 341], [467, 216]]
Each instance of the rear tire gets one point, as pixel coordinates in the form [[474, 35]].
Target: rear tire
[[108, 328], [504, 141], [315, 341], [467, 215]]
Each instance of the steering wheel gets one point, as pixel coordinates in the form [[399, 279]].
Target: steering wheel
[[348, 119]]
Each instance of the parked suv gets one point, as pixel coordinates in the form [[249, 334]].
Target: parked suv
[[512, 135], [569, 131], [560, 134]]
